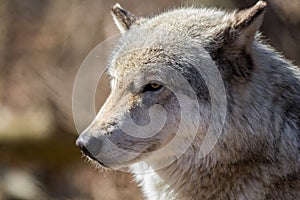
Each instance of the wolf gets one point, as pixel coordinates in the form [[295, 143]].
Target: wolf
[[164, 72]]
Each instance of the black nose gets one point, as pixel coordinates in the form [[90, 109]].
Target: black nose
[[84, 150], [79, 143]]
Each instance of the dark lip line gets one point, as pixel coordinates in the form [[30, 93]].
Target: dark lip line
[[95, 159], [90, 156]]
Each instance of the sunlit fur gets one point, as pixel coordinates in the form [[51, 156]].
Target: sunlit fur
[[257, 154]]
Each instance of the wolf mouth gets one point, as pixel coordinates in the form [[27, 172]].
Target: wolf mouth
[[90, 156], [86, 153]]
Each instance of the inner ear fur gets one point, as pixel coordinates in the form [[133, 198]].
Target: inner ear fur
[[232, 45], [123, 18], [246, 22]]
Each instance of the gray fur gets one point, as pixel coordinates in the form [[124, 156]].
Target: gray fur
[[257, 155]]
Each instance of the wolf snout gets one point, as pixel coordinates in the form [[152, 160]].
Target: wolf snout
[[89, 145], [84, 150]]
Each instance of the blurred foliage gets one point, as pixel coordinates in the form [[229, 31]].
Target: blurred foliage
[[42, 43]]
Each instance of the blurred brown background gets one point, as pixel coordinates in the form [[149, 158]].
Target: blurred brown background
[[42, 44]]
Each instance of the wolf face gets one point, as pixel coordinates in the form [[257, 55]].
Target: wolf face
[[160, 101], [144, 113]]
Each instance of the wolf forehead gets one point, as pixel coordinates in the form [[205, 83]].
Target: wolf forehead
[[137, 58], [165, 37], [226, 37]]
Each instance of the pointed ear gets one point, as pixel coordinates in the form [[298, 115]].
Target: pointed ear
[[246, 22], [122, 18], [231, 46]]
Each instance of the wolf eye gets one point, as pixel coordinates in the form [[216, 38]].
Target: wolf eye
[[152, 87]]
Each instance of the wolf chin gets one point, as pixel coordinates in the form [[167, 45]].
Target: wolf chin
[[171, 62]]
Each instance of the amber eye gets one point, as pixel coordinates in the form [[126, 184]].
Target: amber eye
[[152, 87]]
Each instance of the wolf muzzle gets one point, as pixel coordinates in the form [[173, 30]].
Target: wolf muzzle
[[90, 146]]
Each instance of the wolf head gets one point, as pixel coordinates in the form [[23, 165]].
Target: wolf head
[[164, 73]]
